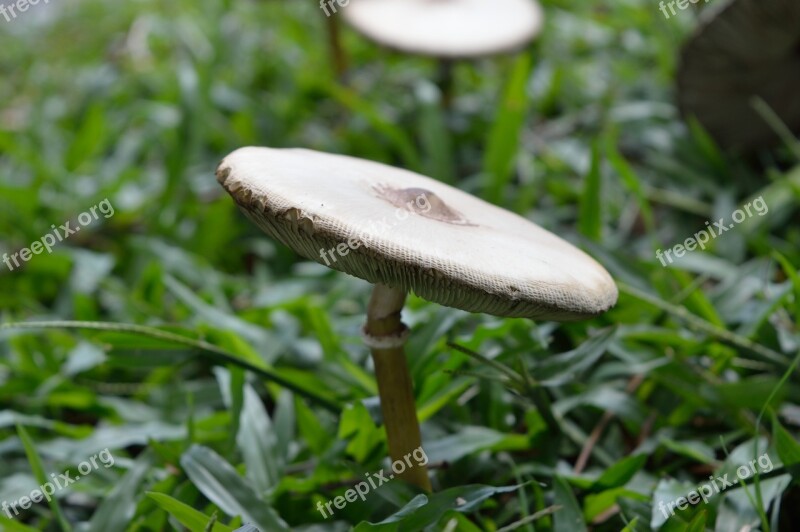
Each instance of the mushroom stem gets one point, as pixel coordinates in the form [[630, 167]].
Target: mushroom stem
[[338, 54], [446, 82], [387, 334]]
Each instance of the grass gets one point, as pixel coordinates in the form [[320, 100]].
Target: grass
[[227, 376]]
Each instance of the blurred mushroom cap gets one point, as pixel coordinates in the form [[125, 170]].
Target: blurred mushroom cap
[[447, 28], [743, 49], [391, 226]]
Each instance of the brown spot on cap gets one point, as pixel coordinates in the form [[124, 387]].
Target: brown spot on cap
[[422, 202]]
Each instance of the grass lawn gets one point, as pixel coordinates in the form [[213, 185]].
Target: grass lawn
[[198, 375]]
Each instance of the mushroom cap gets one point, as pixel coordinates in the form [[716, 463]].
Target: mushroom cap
[[449, 29], [742, 49], [410, 232]]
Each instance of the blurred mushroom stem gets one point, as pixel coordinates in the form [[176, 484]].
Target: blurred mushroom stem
[[386, 335], [446, 82], [338, 54]]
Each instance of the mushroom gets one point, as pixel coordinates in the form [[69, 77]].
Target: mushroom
[[404, 233], [743, 50], [447, 29]]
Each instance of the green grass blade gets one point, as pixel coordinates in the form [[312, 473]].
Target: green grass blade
[[41, 477], [10, 525], [706, 327], [213, 352], [185, 514], [590, 220], [503, 141]]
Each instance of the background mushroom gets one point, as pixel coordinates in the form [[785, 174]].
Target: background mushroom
[[447, 29], [407, 233], [742, 50], [451, 29]]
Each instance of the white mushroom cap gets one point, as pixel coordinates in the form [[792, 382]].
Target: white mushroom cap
[[447, 28], [414, 233], [743, 49]]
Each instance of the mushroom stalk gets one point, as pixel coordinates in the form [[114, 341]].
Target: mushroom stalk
[[446, 82], [338, 54], [386, 335]]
